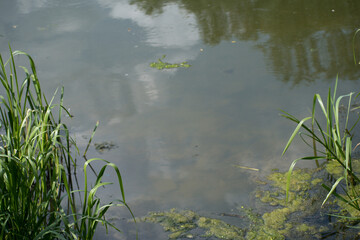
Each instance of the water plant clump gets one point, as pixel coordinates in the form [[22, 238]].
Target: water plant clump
[[331, 141], [164, 65], [189, 224], [37, 158], [274, 218], [287, 218], [335, 171], [178, 223], [220, 229], [301, 217]]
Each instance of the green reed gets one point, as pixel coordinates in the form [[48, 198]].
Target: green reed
[[334, 141], [37, 157]]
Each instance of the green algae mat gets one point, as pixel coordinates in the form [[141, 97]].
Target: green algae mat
[[160, 65], [271, 217]]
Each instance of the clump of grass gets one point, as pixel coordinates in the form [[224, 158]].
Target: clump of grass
[[37, 197], [332, 141]]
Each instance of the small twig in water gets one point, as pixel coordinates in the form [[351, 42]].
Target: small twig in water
[[247, 168]]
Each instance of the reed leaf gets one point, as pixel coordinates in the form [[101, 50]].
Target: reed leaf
[[331, 191], [300, 124]]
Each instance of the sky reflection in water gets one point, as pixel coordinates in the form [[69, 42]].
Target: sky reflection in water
[[180, 131]]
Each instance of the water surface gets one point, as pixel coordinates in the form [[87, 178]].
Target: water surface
[[180, 131]]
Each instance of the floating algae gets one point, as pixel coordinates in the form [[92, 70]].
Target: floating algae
[[308, 229], [219, 229], [335, 170], [301, 217], [180, 224], [285, 219], [164, 65], [176, 222], [257, 230]]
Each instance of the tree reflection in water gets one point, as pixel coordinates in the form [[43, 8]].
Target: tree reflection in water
[[302, 40]]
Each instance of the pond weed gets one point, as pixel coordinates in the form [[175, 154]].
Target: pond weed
[[186, 223], [285, 217], [160, 65], [272, 218]]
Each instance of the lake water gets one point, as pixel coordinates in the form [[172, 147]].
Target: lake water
[[179, 132]]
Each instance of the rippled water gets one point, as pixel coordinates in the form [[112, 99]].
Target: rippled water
[[180, 131]]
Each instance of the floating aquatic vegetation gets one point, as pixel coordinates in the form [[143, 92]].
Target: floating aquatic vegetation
[[274, 218], [181, 224], [284, 219], [277, 221], [336, 170], [176, 222], [164, 65], [352, 194], [219, 229]]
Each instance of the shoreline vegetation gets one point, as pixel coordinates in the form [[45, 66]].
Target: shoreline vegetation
[[38, 197], [331, 139]]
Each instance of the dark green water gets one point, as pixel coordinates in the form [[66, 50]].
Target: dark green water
[[180, 131]]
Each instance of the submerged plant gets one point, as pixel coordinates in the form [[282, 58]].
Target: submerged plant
[[335, 141], [36, 164]]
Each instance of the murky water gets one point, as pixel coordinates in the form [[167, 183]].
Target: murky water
[[180, 131]]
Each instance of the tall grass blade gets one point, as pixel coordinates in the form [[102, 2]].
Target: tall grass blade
[[294, 134], [338, 196], [331, 191], [354, 53], [291, 168], [92, 136]]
